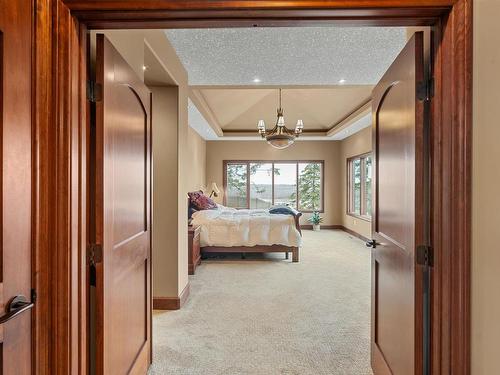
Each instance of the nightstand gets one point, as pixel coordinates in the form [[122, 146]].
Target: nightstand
[[194, 256]]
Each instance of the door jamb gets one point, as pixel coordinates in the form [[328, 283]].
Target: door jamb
[[61, 142]]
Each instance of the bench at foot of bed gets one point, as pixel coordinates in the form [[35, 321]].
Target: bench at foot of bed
[[254, 249]]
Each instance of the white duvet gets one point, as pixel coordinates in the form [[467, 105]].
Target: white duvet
[[228, 227]]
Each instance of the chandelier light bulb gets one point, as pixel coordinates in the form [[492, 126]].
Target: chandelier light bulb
[[281, 121]]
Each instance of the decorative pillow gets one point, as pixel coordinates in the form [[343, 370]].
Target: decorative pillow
[[283, 210], [201, 202], [191, 211]]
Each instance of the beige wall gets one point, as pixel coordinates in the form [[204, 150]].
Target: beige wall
[[197, 148], [169, 267], [218, 151], [165, 255], [356, 144], [485, 190]]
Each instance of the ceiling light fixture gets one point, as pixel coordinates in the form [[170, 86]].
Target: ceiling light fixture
[[280, 136], [342, 81], [256, 80], [144, 67]]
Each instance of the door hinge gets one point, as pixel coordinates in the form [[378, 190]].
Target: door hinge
[[94, 254], [425, 256], [425, 90], [94, 91]]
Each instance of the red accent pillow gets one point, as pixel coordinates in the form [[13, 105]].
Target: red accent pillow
[[201, 202]]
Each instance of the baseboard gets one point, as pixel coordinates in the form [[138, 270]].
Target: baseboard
[[355, 234], [337, 226], [310, 227], [171, 303]]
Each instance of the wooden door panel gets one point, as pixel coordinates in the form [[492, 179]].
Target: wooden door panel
[[122, 215], [15, 182], [129, 165], [396, 167], [397, 135]]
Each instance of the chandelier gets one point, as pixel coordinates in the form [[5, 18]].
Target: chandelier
[[280, 136]]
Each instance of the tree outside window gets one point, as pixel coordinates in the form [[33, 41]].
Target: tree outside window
[[236, 192], [310, 186], [262, 184], [359, 186]]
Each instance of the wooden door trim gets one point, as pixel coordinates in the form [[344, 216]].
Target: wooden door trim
[[60, 149]]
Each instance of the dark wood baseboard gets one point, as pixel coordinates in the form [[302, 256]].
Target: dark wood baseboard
[[337, 226], [355, 234], [171, 303], [310, 227]]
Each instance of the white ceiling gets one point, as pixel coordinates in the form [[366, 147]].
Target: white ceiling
[[287, 55], [316, 57], [199, 123], [155, 74]]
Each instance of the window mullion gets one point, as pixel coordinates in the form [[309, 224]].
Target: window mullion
[[297, 185], [272, 185], [363, 185], [350, 187], [248, 185]]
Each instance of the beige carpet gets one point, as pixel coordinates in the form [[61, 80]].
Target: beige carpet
[[265, 315]]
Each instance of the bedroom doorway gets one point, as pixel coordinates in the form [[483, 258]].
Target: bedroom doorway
[[429, 20], [125, 248]]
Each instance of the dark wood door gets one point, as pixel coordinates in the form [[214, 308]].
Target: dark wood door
[[121, 211], [16, 185], [398, 217]]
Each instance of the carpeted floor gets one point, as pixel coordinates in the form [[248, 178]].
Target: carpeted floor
[[265, 315]]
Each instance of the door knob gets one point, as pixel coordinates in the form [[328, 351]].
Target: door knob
[[371, 243], [16, 306]]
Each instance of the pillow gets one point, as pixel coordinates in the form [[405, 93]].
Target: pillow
[[201, 202], [191, 211], [283, 210]]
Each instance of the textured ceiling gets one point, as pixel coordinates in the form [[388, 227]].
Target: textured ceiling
[[287, 56], [319, 108]]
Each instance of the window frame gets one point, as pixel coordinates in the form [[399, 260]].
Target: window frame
[[225, 163], [350, 187]]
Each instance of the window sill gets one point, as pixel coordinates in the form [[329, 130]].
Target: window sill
[[364, 218]]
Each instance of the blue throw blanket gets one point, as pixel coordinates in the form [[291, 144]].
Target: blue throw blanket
[[283, 210]]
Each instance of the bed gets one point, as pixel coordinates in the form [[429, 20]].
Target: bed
[[248, 231]]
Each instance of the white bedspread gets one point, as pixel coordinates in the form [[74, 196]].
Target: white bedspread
[[228, 227]]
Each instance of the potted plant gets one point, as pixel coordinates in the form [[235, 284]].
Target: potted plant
[[315, 220]]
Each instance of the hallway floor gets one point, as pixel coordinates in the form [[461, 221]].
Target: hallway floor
[[265, 315]]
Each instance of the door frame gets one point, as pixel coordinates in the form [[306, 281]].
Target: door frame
[[61, 149]]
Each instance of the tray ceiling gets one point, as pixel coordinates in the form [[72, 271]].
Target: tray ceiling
[[239, 109], [327, 74]]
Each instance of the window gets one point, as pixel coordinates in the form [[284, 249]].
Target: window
[[285, 185], [262, 184], [237, 192], [359, 188], [310, 186]]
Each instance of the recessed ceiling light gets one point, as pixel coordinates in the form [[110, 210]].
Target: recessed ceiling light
[[342, 81], [256, 80]]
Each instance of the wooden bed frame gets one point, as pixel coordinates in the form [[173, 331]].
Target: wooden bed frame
[[259, 248], [254, 249]]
